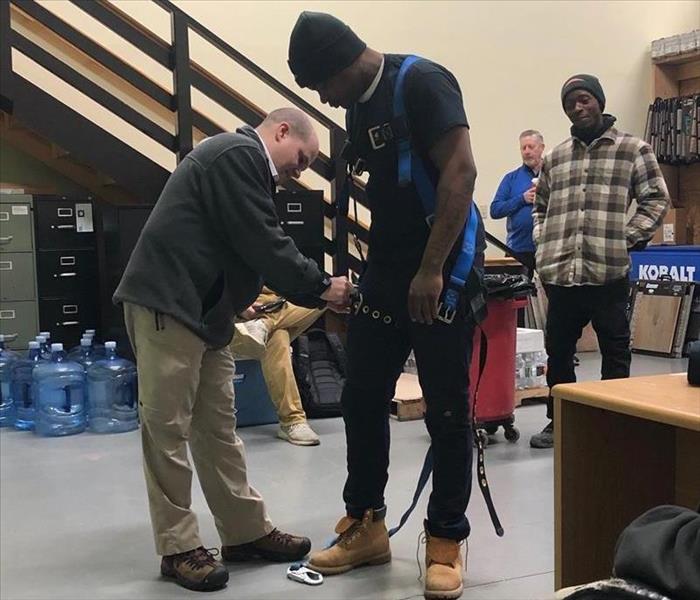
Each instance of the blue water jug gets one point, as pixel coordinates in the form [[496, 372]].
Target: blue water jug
[[81, 350], [86, 355], [59, 392], [44, 347], [7, 406], [112, 393], [22, 389], [98, 350]]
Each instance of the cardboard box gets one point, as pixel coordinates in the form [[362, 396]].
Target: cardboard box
[[688, 185], [671, 176], [529, 340], [674, 228], [408, 403]]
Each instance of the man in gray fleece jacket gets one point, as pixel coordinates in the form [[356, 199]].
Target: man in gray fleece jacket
[[210, 242]]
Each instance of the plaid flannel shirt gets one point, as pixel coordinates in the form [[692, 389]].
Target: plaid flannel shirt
[[580, 220]]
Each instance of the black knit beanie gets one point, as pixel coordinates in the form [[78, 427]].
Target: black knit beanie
[[584, 82], [320, 47]]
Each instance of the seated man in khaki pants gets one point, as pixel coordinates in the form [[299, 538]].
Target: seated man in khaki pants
[[266, 336], [212, 239]]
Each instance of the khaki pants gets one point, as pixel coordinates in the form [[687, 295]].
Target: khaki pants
[[283, 326], [186, 395]]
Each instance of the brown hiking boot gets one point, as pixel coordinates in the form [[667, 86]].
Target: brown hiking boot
[[360, 542], [275, 546], [443, 563], [196, 570]]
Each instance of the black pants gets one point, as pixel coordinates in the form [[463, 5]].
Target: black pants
[[376, 354], [570, 310]]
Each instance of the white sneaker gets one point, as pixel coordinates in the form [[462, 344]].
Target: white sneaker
[[299, 433]]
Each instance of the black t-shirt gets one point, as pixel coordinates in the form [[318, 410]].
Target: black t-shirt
[[433, 101]]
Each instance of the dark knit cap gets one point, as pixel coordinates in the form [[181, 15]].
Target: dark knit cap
[[584, 82], [320, 47]]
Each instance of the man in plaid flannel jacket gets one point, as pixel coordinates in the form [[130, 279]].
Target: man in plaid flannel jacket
[[583, 234]]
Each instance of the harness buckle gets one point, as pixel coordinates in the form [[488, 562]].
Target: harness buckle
[[356, 301], [445, 313], [377, 137]]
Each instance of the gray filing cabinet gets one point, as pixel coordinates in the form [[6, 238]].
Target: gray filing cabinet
[[19, 314]]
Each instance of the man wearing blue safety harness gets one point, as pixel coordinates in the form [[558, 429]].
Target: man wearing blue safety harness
[[421, 290]]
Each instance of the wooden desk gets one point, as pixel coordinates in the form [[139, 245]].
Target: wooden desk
[[621, 447]]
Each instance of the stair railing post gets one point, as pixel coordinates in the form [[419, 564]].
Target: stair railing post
[[340, 217], [5, 58], [181, 83]]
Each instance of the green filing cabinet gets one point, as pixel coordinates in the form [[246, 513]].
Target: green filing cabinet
[[19, 314]]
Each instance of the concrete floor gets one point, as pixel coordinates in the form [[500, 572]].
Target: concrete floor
[[75, 524]]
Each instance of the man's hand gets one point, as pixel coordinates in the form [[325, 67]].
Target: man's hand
[[338, 294], [530, 195], [424, 296], [251, 312]]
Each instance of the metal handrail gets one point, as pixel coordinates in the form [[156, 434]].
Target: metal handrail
[[175, 56]]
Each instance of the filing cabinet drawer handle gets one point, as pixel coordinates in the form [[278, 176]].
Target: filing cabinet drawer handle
[[7, 314], [66, 275], [67, 261], [5, 265], [62, 226], [70, 309], [11, 337], [4, 216], [67, 323], [6, 239]]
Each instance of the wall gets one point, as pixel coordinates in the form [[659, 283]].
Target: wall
[[509, 57]]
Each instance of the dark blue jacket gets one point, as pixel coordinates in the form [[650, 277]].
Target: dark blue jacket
[[510, 202]]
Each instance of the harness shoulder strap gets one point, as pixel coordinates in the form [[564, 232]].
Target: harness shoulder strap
[[411, 169], [403, 142]]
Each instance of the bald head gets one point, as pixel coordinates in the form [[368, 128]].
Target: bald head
[[299, 124], [291, 141]]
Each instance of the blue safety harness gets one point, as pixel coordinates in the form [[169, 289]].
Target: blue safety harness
[[411, 169]]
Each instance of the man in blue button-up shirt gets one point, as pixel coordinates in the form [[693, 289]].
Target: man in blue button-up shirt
[[516, 194]]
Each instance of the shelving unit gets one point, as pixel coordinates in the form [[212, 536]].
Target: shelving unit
[[680, 76]]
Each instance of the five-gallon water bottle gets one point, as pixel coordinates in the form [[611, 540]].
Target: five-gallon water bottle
[[7, 406], [112, 393], [79, 350], [59, 392], [85, 355], [44, 348], [98, 350], [22, 389]]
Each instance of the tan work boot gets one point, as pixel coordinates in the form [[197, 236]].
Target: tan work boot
[[443, 563], [360, 542]]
